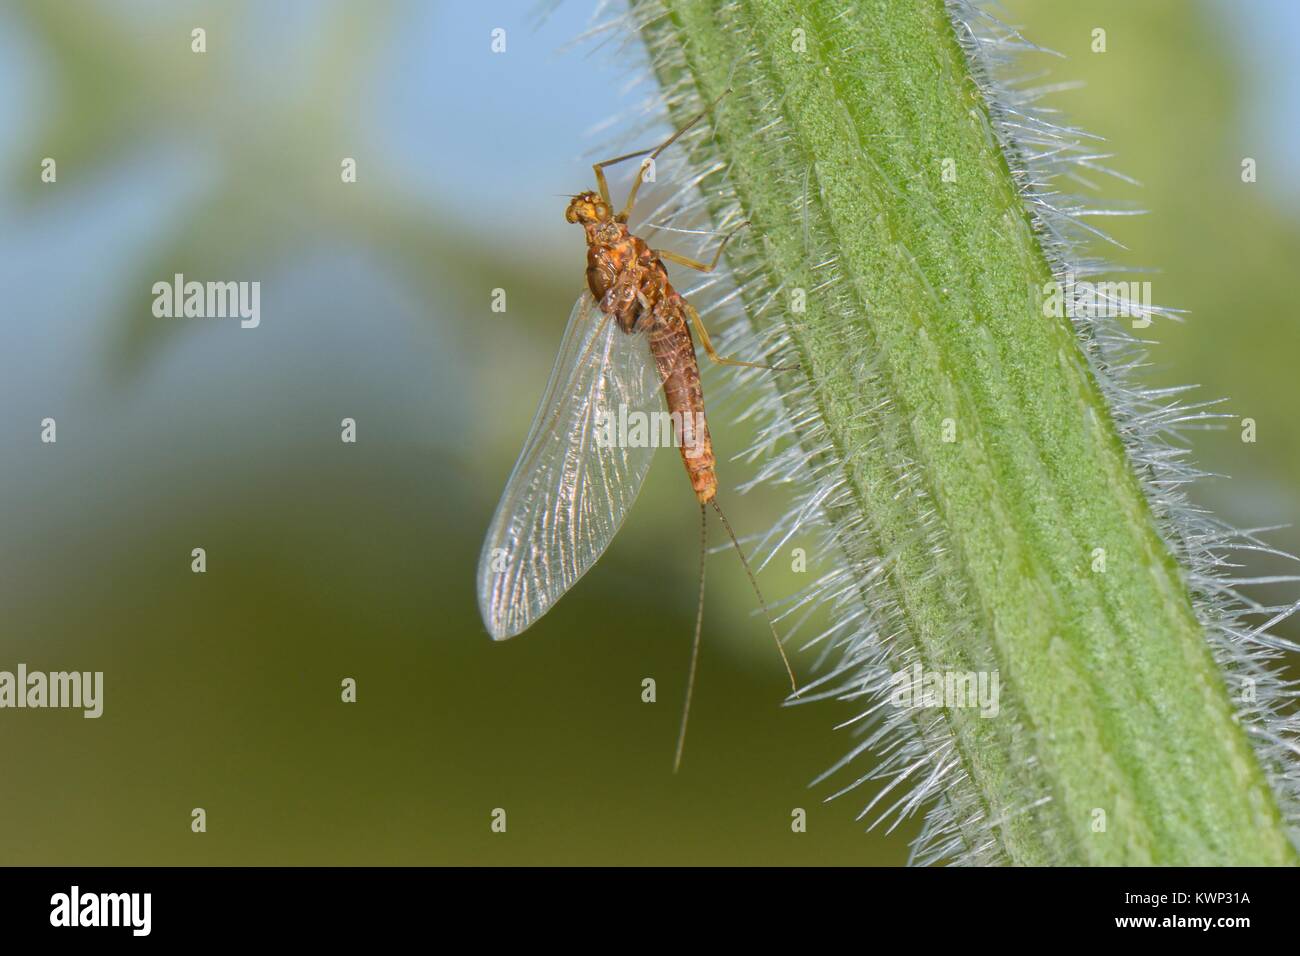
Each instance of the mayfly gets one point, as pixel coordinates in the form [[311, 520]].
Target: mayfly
[[627, 348]]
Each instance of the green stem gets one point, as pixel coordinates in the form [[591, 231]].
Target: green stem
[[1116, 741]]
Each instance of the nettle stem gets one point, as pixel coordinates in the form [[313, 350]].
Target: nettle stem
[[981, 472]]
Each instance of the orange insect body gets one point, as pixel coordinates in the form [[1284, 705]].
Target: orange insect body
[[568, 493], [630, 284]]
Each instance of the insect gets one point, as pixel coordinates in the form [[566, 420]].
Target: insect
[[626, 350]]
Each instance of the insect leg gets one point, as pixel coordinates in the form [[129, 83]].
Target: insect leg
[[712, 353], [700, 266], [650, 154], [599, 170]]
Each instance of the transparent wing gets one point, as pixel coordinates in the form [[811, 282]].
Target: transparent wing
[[569, 491]]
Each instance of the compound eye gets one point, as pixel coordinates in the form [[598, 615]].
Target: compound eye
[[602, 211]]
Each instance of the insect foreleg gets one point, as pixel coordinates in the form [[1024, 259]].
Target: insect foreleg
[[599, 169], [650, 154]]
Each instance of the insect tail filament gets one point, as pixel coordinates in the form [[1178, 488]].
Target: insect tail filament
[[794, 685], [699, 621]]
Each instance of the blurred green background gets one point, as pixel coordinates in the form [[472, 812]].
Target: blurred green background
[[328, 560]]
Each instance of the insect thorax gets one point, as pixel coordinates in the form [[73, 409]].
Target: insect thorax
[[626, 278]]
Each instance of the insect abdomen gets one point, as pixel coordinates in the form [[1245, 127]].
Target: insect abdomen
[[674, 353]]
